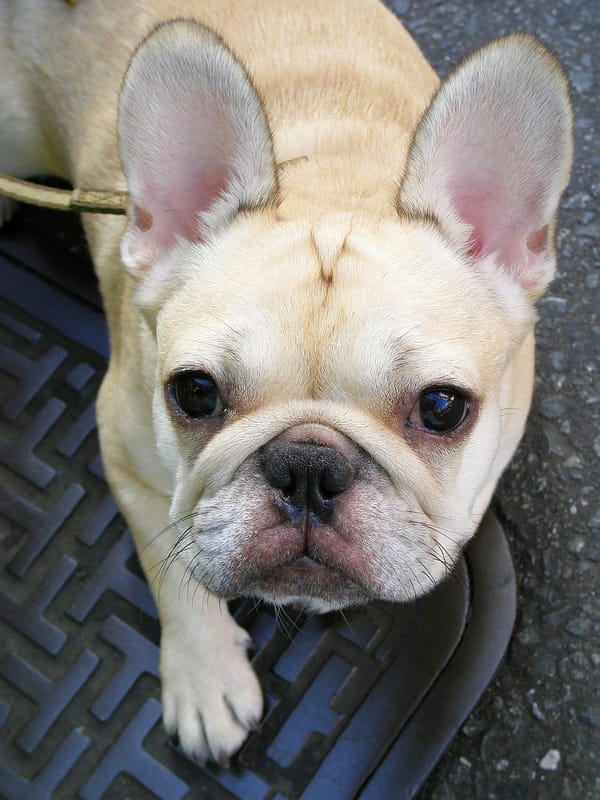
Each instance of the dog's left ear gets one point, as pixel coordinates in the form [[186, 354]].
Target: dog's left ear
[[491, 158], [194, 141]]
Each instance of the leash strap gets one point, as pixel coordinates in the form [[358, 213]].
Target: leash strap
[[79, 200]]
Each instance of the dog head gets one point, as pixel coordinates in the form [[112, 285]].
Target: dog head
[[337, 391]]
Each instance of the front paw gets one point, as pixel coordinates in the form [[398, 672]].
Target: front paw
[[211, 697]]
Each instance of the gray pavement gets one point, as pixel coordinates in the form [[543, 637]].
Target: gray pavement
[[536, 732]]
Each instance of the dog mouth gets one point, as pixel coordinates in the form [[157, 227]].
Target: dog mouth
[[305, 574], [306, 566], [307, 569]]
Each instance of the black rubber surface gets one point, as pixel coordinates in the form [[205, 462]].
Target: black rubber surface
[[360, 705]]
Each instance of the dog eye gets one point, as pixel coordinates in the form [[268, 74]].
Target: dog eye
[[442, 409], [196, 394]]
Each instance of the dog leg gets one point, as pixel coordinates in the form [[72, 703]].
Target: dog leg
[[211, 696]]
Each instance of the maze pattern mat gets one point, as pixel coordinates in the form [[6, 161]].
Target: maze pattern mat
[[357, 705]]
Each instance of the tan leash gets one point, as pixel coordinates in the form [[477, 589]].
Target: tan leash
[[91, 201], [79, 200]]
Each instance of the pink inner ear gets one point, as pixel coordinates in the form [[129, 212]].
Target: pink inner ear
[[484, 205], [171, 211], [502, 222]]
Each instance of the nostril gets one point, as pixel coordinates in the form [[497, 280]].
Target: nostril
[[283, 473], [309, 476], [336, 477], [278, 473]]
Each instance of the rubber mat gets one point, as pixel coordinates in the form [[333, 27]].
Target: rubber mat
[[358, 705]]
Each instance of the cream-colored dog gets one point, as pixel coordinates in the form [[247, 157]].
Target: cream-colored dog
[[321, 309]]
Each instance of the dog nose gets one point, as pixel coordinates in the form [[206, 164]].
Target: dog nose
[[309, 476]]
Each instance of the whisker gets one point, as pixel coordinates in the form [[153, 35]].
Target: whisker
[[176, 550], [286, 623], [342, 613], [171, 525], [427, 573], [461, 579]]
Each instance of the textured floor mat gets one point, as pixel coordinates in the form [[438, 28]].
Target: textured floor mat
[[359, 705]]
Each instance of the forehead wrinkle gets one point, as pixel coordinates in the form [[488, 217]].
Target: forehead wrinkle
[[329, 245]]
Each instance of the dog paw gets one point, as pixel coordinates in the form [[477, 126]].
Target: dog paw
[[211, 697]]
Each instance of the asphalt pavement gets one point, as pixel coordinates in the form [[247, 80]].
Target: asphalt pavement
[[536, 732]]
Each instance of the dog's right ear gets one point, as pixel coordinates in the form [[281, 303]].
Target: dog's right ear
[[194, 141]]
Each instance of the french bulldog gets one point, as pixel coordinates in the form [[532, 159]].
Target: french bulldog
[[321, 304]]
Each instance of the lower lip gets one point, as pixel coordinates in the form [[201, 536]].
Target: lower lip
[[305, 562], [307, 569]]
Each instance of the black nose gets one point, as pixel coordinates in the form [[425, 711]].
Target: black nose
[[309, 476]]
